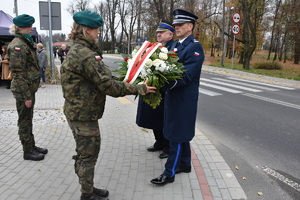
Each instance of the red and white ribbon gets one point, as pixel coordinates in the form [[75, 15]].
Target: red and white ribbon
[[138, 62]]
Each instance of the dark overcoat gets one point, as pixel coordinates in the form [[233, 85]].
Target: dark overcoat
[[150, 118], [181, 96]]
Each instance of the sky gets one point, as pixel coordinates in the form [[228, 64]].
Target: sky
[[31, 7]]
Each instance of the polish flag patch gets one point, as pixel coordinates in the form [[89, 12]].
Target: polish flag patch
[[196, 54], [17, 49], [98, 57]]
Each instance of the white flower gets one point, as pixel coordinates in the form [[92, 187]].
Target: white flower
[[163, 56], [157, 62], [164, 50], [149, 62], [129, 61], [134, 52], [161, 67]]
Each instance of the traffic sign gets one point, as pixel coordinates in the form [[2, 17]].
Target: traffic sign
[[236, 17], [235, 29]]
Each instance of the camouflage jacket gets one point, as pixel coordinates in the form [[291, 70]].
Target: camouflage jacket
[[86, 81], [23, 63]]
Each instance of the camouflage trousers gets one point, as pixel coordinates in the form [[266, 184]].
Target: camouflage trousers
[[25, 124], [87, 139]]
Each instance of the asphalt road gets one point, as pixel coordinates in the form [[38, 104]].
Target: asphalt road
[[256, 132]]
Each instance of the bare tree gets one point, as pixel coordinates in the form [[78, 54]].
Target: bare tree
[[78, 5], [252, 11], [111, 6]]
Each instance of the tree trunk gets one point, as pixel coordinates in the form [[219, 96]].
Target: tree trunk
[[212, 50], [273, 29]]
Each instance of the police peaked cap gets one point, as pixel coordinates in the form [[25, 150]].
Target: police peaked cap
[[23, 20], [183, 16], [165, 25], [88, 18]]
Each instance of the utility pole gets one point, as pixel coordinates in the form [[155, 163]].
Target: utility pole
[[223, 34], [16, 7], [50, 42]]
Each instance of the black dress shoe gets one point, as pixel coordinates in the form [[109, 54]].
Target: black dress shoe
[[183, 169], [33, 155], [40, 150], [92, 197], [162, 180], [101, 192], [163, 155], [153, 148]]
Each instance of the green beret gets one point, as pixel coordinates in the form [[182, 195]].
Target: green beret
[[24, 20], [88, 18]]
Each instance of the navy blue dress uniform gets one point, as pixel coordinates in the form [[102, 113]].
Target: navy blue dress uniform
[[150, 118], [180, 105]]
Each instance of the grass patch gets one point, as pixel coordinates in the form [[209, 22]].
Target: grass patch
[[288, 70]]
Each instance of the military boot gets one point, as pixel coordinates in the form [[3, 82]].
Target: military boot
[[40, 150], [101, 192], [33, 155], [92, 197]]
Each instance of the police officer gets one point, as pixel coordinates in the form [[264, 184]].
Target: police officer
[[181, 98], [85, 82], [150, 118], [25, 69]]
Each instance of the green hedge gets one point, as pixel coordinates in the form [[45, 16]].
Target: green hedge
[[267, 65]]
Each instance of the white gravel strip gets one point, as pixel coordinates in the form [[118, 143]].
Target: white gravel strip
[[9, 118]]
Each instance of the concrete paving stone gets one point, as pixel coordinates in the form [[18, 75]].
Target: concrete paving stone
[[128, 195], [209, 147], [208, 172], [194, 183], [197, 194], [217, 174], [222, 166], [218, 159], [225, 194], [13, 180], [221, 184], [215, 192], [212, 166], [66, 196], [237, 193], [211, 181]]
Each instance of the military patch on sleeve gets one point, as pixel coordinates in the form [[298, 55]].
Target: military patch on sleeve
[[196, 54], [196, 40], [97, 57], [17, 49]]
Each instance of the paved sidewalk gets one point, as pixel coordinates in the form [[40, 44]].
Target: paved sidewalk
[[124, 166]]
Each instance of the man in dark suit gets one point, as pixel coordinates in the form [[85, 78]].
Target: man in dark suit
[[181, 98], [148, 117]]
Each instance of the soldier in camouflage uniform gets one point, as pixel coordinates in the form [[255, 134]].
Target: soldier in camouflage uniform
[[85, 82], [23, 63]]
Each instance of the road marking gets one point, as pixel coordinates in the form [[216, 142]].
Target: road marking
[[281, 178], [123, 100], [208, 92], [260, 83], [231, 85], [220, 88], [246, 84], [273, 101]]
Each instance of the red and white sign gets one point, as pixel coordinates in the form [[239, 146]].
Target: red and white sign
[[235, 29], [236, 17]]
